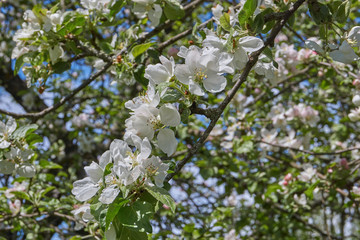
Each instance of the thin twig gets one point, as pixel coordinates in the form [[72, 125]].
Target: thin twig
[[42, 113]]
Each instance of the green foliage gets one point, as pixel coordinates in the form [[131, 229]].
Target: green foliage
[[163, 196], [173, 10], [247, 11], [23, 131], [140, 49], [136, 216]]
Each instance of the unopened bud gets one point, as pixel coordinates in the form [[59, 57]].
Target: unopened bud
[[288, 177]]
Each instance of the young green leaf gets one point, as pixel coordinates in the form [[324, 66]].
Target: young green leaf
[[163, 196]]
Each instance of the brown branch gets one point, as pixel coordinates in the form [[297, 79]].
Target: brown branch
[[310, 152], [252, 61], [299, 219], [37, 115]]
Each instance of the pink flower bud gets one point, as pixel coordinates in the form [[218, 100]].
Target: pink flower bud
[[166, 207], [288, 177], [356, 82], [172, 52], [344, 164], [285, 183], [330, 170], [257, 90]]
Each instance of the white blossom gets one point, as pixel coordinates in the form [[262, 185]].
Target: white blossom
[[160, 73], [307, 174], [354, 35], [87, 187], [153, 10], [300, 200], [200, 69], [5, 132]]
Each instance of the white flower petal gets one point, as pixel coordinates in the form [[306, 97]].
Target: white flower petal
[[6, 167], [109, 194], [94, 171], [105, 159], [167, 141], [169, 115], [215, 83], [251, 44], [26, 170]]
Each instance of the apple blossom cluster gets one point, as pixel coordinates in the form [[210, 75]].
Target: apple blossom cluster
[[16, 155], [15, 204], [307, 176], [121, 169], [305, 114]]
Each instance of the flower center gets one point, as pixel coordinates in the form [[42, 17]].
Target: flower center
[[200, 76]]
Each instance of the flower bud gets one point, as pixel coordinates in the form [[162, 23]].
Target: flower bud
[[344, 164], [356, 82], [288, 177]]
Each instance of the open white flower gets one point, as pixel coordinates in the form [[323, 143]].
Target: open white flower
[[156, 169], [150, 98], [160, 73], [354, 35], [154, 11], [307, 174], [56, 52], [300, 200], [95, 4], [200, 69], [238, 57], [5, 132], [146, 120], [86, 188]]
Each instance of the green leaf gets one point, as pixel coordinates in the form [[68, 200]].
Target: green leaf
[[246, 147], [113, 210], [258, 24], [99, 211], [116, 7], [19, 63], [136, 216], [106, 47], [310, 191], [171, 96], [48, 189], [173, 10], [225, 21], [33, 138], [49, 165], [23, 131], [247, 11], [61, 67], [319, 12], [73, 23], [124, 233], [343, 11], [163, 196], [21, 195], [140, 49]]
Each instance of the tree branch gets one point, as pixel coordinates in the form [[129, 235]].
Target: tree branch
[[310, 152], [37, 115]]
